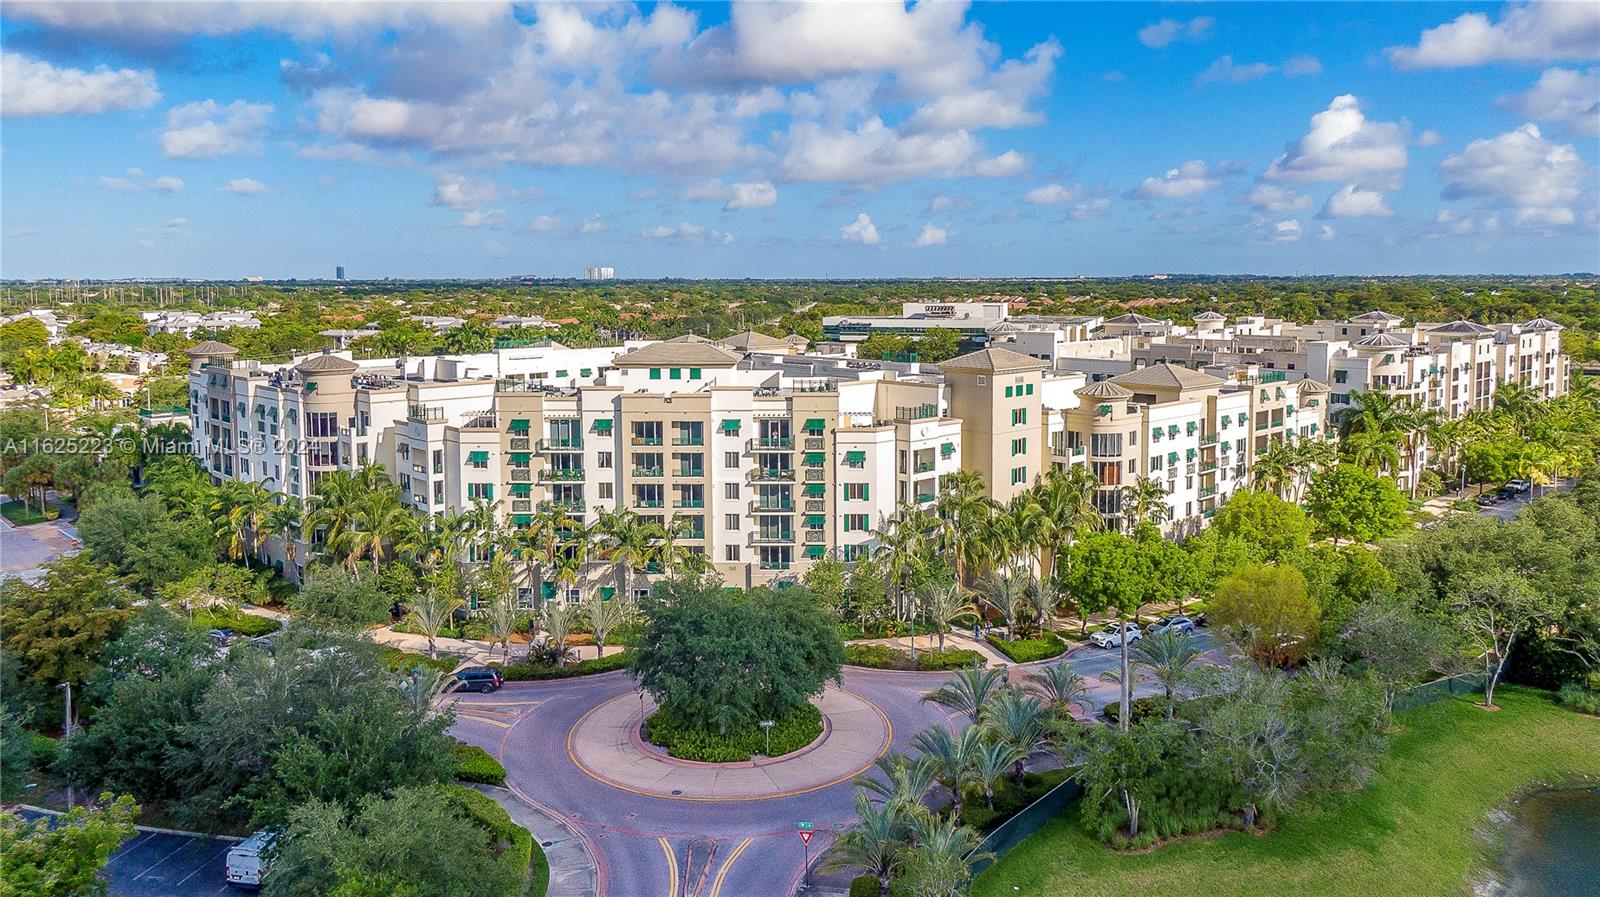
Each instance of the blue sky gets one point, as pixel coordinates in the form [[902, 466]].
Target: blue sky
[[824, 140]]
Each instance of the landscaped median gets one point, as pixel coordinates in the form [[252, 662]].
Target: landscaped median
[[1413, 830], [527, 672], [1028, 650], [886, 657], [516, 849], [686, 742]]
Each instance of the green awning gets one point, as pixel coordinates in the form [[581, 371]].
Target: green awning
[[816, 551], [816, 521], [947, 449], [815, 458], [816, 489], [521, 457], [730, 426], [608, 592], [603, 425], [522, 490], [855, 457], [478, 457], [521, 519], [815, 423], [519, 425]]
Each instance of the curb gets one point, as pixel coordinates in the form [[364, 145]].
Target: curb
[[157, 830], [573, 872]]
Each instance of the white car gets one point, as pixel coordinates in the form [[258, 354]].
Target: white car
[[1108, 637], [247, 860]]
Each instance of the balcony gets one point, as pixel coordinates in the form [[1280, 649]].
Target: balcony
[[1208, 466], [779, 537], [816, 476], [519, 443], [1208, 439], [568, 505], [771, 444], [1207, 491], [521, 505], [689, 440], [647, 440], [815, 444], [816, 537], [775, 507], [648, 503], [561, 445], [924, 467], [774, 565], [689, 503], [772, 474], [816, 505], [424, 413], [562, 474], [689, 473], [521, 475], [1261, 426], [647, 472]]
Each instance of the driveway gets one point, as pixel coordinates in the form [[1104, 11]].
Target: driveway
[[646, 845], [160, 864]]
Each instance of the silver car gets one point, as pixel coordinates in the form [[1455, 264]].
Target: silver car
[[1173, 623]]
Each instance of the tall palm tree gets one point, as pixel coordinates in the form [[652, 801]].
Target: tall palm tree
[[1277, 469], [873, 843], [944, 844], [604, 616], [541, 541], [964, 508], [952, 757], [968, 691], [379, 521], [943, 603], [671, 553], [990, 764], [903, 785], [900, 540], [1007, 592], [1059, 684], [498, 599], [1145, 500], [286, 520], [628, 542], [436, 603], [1374, 430], [1065, 500], [1018, 719], [1170, 657]]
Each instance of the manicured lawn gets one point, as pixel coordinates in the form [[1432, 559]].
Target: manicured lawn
[[1412, 832], [19, 515]]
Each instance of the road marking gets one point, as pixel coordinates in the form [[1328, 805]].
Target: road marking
[[197, 869], [672, 868], [123, 850], [722, 874], [499, 703], [153, 866]]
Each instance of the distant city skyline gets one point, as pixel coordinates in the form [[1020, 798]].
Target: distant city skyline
[[828, 140]]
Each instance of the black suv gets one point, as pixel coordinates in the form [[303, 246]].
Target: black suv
[[481, 679]]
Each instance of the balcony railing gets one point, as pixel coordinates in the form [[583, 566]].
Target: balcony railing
[[647, 471], [815, 536], [551, 504], [1208, 466], [778, 507], [816, 505], [772, 473], [519, 443], [771, 444], [521, 475], [1208, 439], [689, 503], [690, 473], [780, 537], [563, 474], [648, 502], [689, 440], [561, 445], [647, 440], [924, 467], [1207, 491]]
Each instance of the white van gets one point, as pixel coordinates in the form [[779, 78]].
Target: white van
[[245, 860]]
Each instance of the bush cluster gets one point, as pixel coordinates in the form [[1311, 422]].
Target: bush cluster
[[884, 657], [474, 764], [1579, 698], [1148, 708], [516, 844], [526, 672], [235, 619], [1027, 650], [686, 742]]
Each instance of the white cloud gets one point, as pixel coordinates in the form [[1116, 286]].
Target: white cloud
[[932, 235], [1343, 145], [1350, 202], [688, 233], [544, 224], [1094, 208], [141, 24], [119, 183], [455, 192], [1302, 67], [1001, 99], [941, 204], [1008, 164], [592, 225], [135, 181], [1566, 98], [1452, 223], [176, 227], [1286, 230], [209, 130], [1272, 198], [1532, 32], [492, 218], [872, 152], [861, 230], [167, 184], [1168, 31], [33, 87], [754, 195], [1192, 178], [1520, 170], [244, 187], [1227, 71], [1427, 138], [1053, 194]]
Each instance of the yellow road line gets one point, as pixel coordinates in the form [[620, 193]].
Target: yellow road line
[[672, 868], [722, 874], [498, 703], [484, 719]]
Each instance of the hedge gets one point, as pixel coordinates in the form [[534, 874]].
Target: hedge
[[244, 624], [864, 886], [884, 657], [403, 662], [1027, 650], [474, 764], [791, 733], [1143, 709], [518, 852], [524, 672], [1578, 698], [26, 516]]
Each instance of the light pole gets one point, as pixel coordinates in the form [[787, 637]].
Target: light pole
[[66, 730]]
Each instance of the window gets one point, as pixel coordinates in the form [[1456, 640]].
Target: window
[[732, 553], [1019, 446], [1341, 376], [855, 523], [1155, 463], [675, 373], [655, 373], [1019, 475], [855, 491], [320, 423], [730, 460], [730, 491], [1009, 391], [730, 522], [605, 491], [694, 373], [602, 460], [1019, 417], [438, 460], [1030, 389], [478, 460], [484, 491]]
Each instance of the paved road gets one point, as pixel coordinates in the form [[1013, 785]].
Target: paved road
[[154, 864], [642, 843]]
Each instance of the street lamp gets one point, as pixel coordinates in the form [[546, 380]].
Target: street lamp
[[66, 729]]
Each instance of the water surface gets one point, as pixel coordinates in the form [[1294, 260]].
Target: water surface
[[1554, 846]]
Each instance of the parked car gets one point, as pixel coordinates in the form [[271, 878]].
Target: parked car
[[1488, 500], [247, 860], [1200, 621], [1173, 623], [1505, 492], [1108, 637], [1519, 487], [480, 679], [222, 638]]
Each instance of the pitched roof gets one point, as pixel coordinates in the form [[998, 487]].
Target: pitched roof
[[1462, 327], [326, 363], [209, 348], [681, 351], [1309, 385], [1168, 376], [1131, 318], [1538, 325], [1383, 341], [1209, 316], [1377, 315], [750, 339], [1104, 389], [994, 360]]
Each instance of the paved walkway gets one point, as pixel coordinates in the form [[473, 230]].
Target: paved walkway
[[572, 869], [605, 746]]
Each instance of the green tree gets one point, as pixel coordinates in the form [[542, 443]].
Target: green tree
[[939, 861], [1348, 502], [57, 626], [1269, 613], [1110, 572], [873, 843], [215, 587], [716, 661], [938, 344], [336, 596], [63, 857], [1270, 524], [1494, 608]]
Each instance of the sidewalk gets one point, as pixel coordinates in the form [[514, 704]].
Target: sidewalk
[[472, 650], [572, 869]]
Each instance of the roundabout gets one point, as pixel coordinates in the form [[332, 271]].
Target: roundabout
[[605, 745]]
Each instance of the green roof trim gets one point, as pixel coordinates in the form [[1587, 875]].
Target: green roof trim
[[855, 457], [476, 457], [816, 489]]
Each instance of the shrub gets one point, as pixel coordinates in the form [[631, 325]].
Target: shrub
[[232, 618], [26, 516], [1152, 707], [515, 844], [474, 764], [1576, 697], [1030, 649], [864, 886], [884, 657], [948, 659], [403, 662], [525, 672], [791, 733], [1464, 504]]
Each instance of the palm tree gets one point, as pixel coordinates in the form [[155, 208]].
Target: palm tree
[[899, 542], [671, 554], [1059, 684], [1016, 718], [943, 603], [436, 603], [628, 542], [904, 784], [873, 843], [1374, 430], [1169, 656], [964, 508], [944, 852], [286, 520], [990, 764], [968, 691], [604, 616], [541, 541], [1144, 500], [1065, 501], [1007, 592], [951, 756], [380, 520], [558, 618], [1277, 469], [499, 597]]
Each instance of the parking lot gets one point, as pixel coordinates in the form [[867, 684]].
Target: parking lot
[[157, 864]]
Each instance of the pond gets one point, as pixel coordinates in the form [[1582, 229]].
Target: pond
[[1554, 846]]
